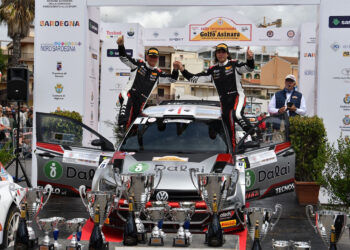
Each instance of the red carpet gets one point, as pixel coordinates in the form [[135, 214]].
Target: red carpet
[[116, 235]]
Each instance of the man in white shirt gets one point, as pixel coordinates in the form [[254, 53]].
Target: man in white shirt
[[288, 100]]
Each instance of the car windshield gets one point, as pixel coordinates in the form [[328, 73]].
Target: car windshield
[[176, 136]]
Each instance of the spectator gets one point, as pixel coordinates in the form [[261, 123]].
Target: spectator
[[262, 126], [288, 100], [9, 115], [29, 122]]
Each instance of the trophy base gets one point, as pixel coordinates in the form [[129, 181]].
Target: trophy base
[[46, 247], [156, 241], [142, 238], [181, 242], [215, 241], [77, 247], [130, 241], [33, 243]]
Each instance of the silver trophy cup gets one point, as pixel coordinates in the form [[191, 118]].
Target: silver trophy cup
[[181, 215], [140, 186], [106, 200], [36, 199], [156, 215], [74, 226], [324, 220], [300, 245], [281, 244], [264, 216], [45, 225]]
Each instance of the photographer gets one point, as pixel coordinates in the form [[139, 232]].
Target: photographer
[[288, 100]]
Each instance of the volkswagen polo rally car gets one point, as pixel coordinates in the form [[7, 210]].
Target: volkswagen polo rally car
[[178, 136]]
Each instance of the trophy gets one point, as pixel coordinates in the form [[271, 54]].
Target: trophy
[[264, 216], [213, 187], [46, 226], [34, 197], [56, 223], [157, 214], [105, 200], [301, 245], [140, 186], [281, 244], [183, 215], [324, 220], [74, 226]]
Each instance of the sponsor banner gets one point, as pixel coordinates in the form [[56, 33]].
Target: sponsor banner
[[92, 61], [164, 37], [307, 65], [333, 71], [114, 73]]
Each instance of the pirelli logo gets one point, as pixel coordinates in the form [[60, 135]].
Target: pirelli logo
[[154, 74], [228, 223], [228, 67]]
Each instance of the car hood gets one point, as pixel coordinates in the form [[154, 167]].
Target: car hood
[[175, 167]]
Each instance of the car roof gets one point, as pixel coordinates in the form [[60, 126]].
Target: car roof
[[184, 110]]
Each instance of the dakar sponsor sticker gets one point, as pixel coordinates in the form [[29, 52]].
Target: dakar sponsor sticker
[[139, 168], [262, 158], [249, 178], [170, 158], [228, 223], [53, 170]]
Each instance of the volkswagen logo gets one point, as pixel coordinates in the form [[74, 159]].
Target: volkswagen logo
[[162, 196]]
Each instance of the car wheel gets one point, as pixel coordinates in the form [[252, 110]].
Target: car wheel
[[11, 225]]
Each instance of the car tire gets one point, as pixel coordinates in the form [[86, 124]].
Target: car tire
[[10, 227]]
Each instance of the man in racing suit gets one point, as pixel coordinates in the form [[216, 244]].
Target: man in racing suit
[[144, 77], [226, 74]]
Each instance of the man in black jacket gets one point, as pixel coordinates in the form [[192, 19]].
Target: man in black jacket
[[144, 76], [226, 75]]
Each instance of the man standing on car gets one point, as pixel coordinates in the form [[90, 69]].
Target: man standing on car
[[226, 74], [288, 100], [144, 76]]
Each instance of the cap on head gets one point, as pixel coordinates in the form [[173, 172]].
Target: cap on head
[[291, 77], [152, 52], [221, 46]]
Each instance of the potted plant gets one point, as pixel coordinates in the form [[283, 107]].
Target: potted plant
[[309, 139], [336, 176]]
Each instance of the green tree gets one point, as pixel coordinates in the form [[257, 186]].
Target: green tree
[[18, 15]]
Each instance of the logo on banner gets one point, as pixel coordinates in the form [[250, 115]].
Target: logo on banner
[[60, 46], [115, 52], [291, 33], [94, 56], [346, 120], [59, 88], [112, 34], [346, 71], [346, 53], [93, 26], [309, 72], [60, 23], [346, 99], [269, 33], [59, 66], [155, 34], [176, 37], [131, 32], [339, 22], [335, 46], [220, 29], [122, 74], [59, 4], [309, 54], [110, 69]]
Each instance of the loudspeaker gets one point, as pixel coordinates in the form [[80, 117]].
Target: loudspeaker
[[17, 84]]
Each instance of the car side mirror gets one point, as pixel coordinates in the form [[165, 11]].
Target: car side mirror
[[97, 143]]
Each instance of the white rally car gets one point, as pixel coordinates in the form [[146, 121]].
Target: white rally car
[[9, 213]]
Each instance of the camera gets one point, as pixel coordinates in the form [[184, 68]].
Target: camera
[[290, 104]]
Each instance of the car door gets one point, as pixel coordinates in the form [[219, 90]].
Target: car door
[[68, 153], [269, 164]]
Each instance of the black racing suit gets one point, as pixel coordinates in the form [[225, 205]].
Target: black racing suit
[[226, 78], [143, 78]]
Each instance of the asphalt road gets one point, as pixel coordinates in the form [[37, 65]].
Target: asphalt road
[[293, 224]]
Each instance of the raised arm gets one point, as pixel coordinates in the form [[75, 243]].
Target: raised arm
[[202, 77], [129, 61], [248, 66]]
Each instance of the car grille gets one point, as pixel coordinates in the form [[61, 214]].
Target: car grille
[[183, 195]]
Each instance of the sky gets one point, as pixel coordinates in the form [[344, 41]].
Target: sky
[[174, 17]]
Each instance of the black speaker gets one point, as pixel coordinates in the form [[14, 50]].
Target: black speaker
[[17, 84]]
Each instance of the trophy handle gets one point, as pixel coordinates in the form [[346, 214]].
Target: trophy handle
[[48, 188], [160, 173], [278, 211], [193, 173], [238, 207], [82, 193], [310, 213]]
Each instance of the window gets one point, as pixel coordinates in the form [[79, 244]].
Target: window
[[256, 76], [161, 61], [249, 76], [160, 92]]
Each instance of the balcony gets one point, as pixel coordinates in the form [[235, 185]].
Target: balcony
[[155, 99]]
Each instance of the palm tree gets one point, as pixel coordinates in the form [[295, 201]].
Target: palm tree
[[18, 15]]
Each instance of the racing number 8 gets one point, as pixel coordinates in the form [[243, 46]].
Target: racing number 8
[[138, 168], [248, 180]]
